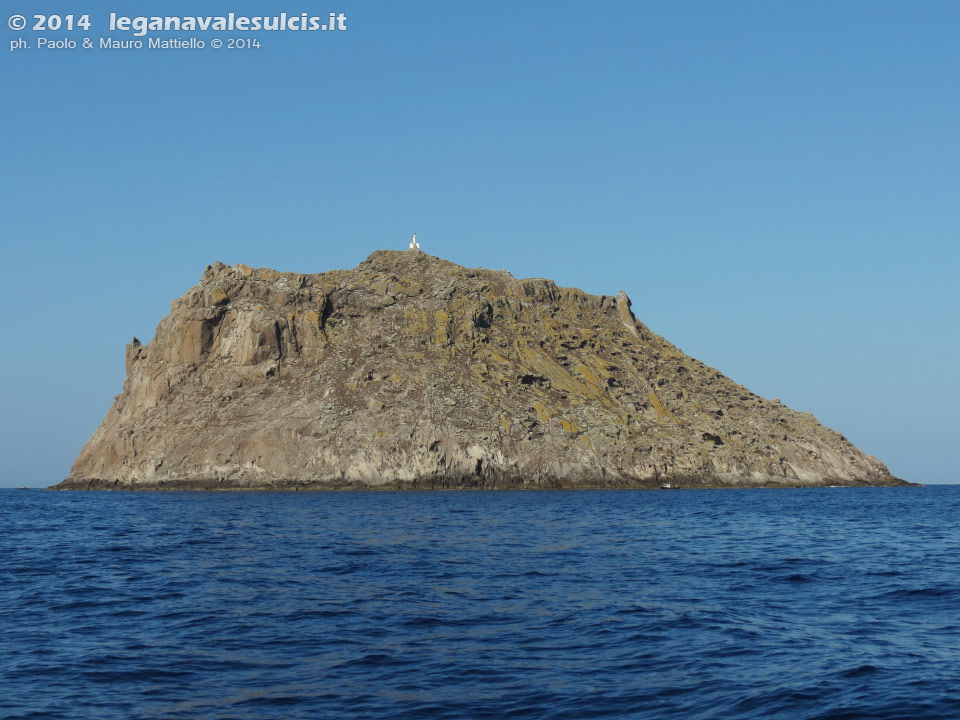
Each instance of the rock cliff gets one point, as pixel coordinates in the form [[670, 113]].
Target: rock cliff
[[413, 372]]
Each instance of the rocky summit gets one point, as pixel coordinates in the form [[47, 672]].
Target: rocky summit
[[413, 372]]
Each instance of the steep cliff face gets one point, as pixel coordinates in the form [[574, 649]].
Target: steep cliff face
[[411, 371]]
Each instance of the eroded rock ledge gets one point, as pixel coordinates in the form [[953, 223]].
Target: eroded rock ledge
[[413, 372]]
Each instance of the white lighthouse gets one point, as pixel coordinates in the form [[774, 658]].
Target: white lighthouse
[[414, 245]]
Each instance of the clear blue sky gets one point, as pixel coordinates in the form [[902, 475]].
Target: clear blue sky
[[775, 185]]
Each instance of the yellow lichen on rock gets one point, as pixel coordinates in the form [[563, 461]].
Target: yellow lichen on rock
[[662, 412], [570, 427], [442, 332], [416, 320], [542, 412], [541, 364], [595, 385]]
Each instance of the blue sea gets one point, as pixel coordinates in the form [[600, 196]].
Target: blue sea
[[817, 603]]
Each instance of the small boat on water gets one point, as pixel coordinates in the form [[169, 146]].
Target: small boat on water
[[22, 487], [666, 486]]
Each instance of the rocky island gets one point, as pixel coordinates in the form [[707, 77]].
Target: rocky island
[[409, 371]]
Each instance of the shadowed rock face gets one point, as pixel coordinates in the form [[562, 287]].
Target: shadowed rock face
[[411, 371]]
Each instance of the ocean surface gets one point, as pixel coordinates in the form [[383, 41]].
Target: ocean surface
[[818, 603]]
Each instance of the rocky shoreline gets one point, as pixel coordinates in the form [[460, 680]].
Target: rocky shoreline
[[466, 485]]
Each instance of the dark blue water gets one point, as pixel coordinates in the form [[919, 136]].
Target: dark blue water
[[826, 603]]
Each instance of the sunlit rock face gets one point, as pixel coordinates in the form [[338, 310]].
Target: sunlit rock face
[[409, 371]]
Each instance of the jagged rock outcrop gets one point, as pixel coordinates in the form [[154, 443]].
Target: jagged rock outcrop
[[411, 371]]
